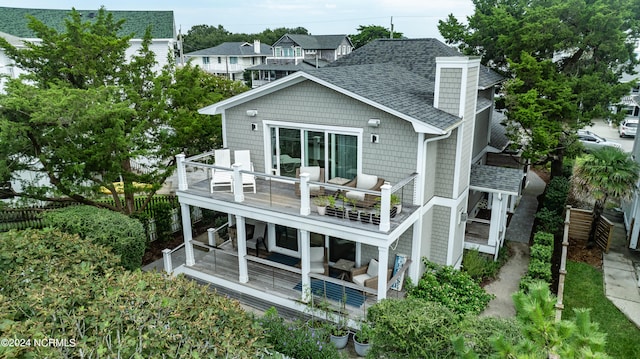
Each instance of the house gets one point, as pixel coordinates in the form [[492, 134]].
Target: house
[[14, 28], [230, 59], [295, 52], [405, 119]]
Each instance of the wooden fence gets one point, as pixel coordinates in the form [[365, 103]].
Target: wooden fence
[[24, 218], [580, 227]]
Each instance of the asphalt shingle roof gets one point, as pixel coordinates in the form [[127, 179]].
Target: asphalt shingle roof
[[14, 21], [317, 42], [499, 138], [499, 179], [232, 49], [416, 55], [391, 86]]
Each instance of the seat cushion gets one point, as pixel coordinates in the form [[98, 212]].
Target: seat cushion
[[359, 279], [372, 271], [316, 254], [366, 181], [357, 195], [316, 267], [313, 171]]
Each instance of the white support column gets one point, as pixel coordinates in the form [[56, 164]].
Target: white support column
[[182, 173], [385, 207], [494, 227], [186, 233], [238, 191], [305, 243], [305, 205], [211, 236], [383, 265], [242, 250]]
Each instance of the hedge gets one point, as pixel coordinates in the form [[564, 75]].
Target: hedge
[[124, 235]]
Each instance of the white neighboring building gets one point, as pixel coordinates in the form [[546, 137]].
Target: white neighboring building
[[14, 28], [230, 59]]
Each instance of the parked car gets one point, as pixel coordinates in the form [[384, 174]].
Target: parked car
[[591, 141], [628, 127]]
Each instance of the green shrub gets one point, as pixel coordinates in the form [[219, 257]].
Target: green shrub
[[541, 253], [543, 238], [479, 266], [549, 220], [479, 333], [163, 219], [107, 311], [295, 339], [539, 270], [450, 287], [124, 235], [411, 328], [556, 194]]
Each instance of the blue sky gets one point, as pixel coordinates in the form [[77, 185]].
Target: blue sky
[[414, 18]]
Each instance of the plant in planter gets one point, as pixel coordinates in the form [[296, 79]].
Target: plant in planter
[[340, 209], [375, 217], [365, 216], [362, 339], [395, 204], [321, 203], [339, 334], [353, 211], [331, 207]]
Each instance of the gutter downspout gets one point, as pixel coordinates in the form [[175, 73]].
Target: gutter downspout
[[414, 270]]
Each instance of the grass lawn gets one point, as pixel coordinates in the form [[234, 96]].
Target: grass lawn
[[584, 289]]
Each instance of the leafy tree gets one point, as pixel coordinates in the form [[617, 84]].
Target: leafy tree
[[82, 295], [603, 175], [564, 60], [85, 116], [544, 337], [205, 36], [369, 33]]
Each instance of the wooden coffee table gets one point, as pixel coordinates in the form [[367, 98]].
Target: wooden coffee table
[[344, 266]]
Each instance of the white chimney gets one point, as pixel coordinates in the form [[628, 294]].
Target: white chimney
[[256, 46]]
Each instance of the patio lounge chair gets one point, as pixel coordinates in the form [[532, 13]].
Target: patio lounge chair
[[244, 158], [316, 174], [258, 238], [221, 177], [367, 276], [368, 182], [318, 260]]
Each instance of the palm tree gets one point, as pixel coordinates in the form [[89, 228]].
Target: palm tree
[[604, 175]]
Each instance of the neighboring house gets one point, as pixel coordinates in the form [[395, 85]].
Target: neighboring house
[[230, 59], [293, 52], [406, 118], [14, 28]]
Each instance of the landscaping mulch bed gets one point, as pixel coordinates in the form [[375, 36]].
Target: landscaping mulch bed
[[578, 252], [155, 248]]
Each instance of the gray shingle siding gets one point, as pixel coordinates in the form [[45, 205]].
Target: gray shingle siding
[[445, 166], [403, 246], [440, 234], [449, 90], [468, 125], [393, 158]]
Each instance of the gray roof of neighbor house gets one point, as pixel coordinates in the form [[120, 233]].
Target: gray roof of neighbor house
[[496, 179], [14, 21], [232, 49], [315, 42], [499, 138], [416, 55], [391, 86]]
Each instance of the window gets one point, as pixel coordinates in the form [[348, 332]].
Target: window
[[219, 59], [336, 152], [233, 60], [205, 60], [287, 52], [298, 52], [277, 51]]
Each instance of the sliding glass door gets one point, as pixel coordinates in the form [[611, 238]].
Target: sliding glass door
[[336, 152]]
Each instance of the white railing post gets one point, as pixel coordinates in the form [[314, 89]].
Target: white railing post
[[305, 244], [182, 173], [385, 207], [166, 260], [238, 191], [305, 206], [211, 236], [187, 234], [243, 271]]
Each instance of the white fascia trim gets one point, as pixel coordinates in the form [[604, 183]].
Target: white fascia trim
[[252, 94], [319, 128]]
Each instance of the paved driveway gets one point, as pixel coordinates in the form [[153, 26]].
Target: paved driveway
[[601, 128]]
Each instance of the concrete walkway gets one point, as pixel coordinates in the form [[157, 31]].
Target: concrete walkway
[[517, 235], [621, 277]]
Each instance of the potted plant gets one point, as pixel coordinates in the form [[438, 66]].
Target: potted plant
[[331, 207], [395, 203], [375, 217], [365, 216], [362, 339], [340, 209], [321, 203], [339, 334]]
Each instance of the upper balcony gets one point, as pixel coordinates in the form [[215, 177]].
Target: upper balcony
[[278, 195]]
